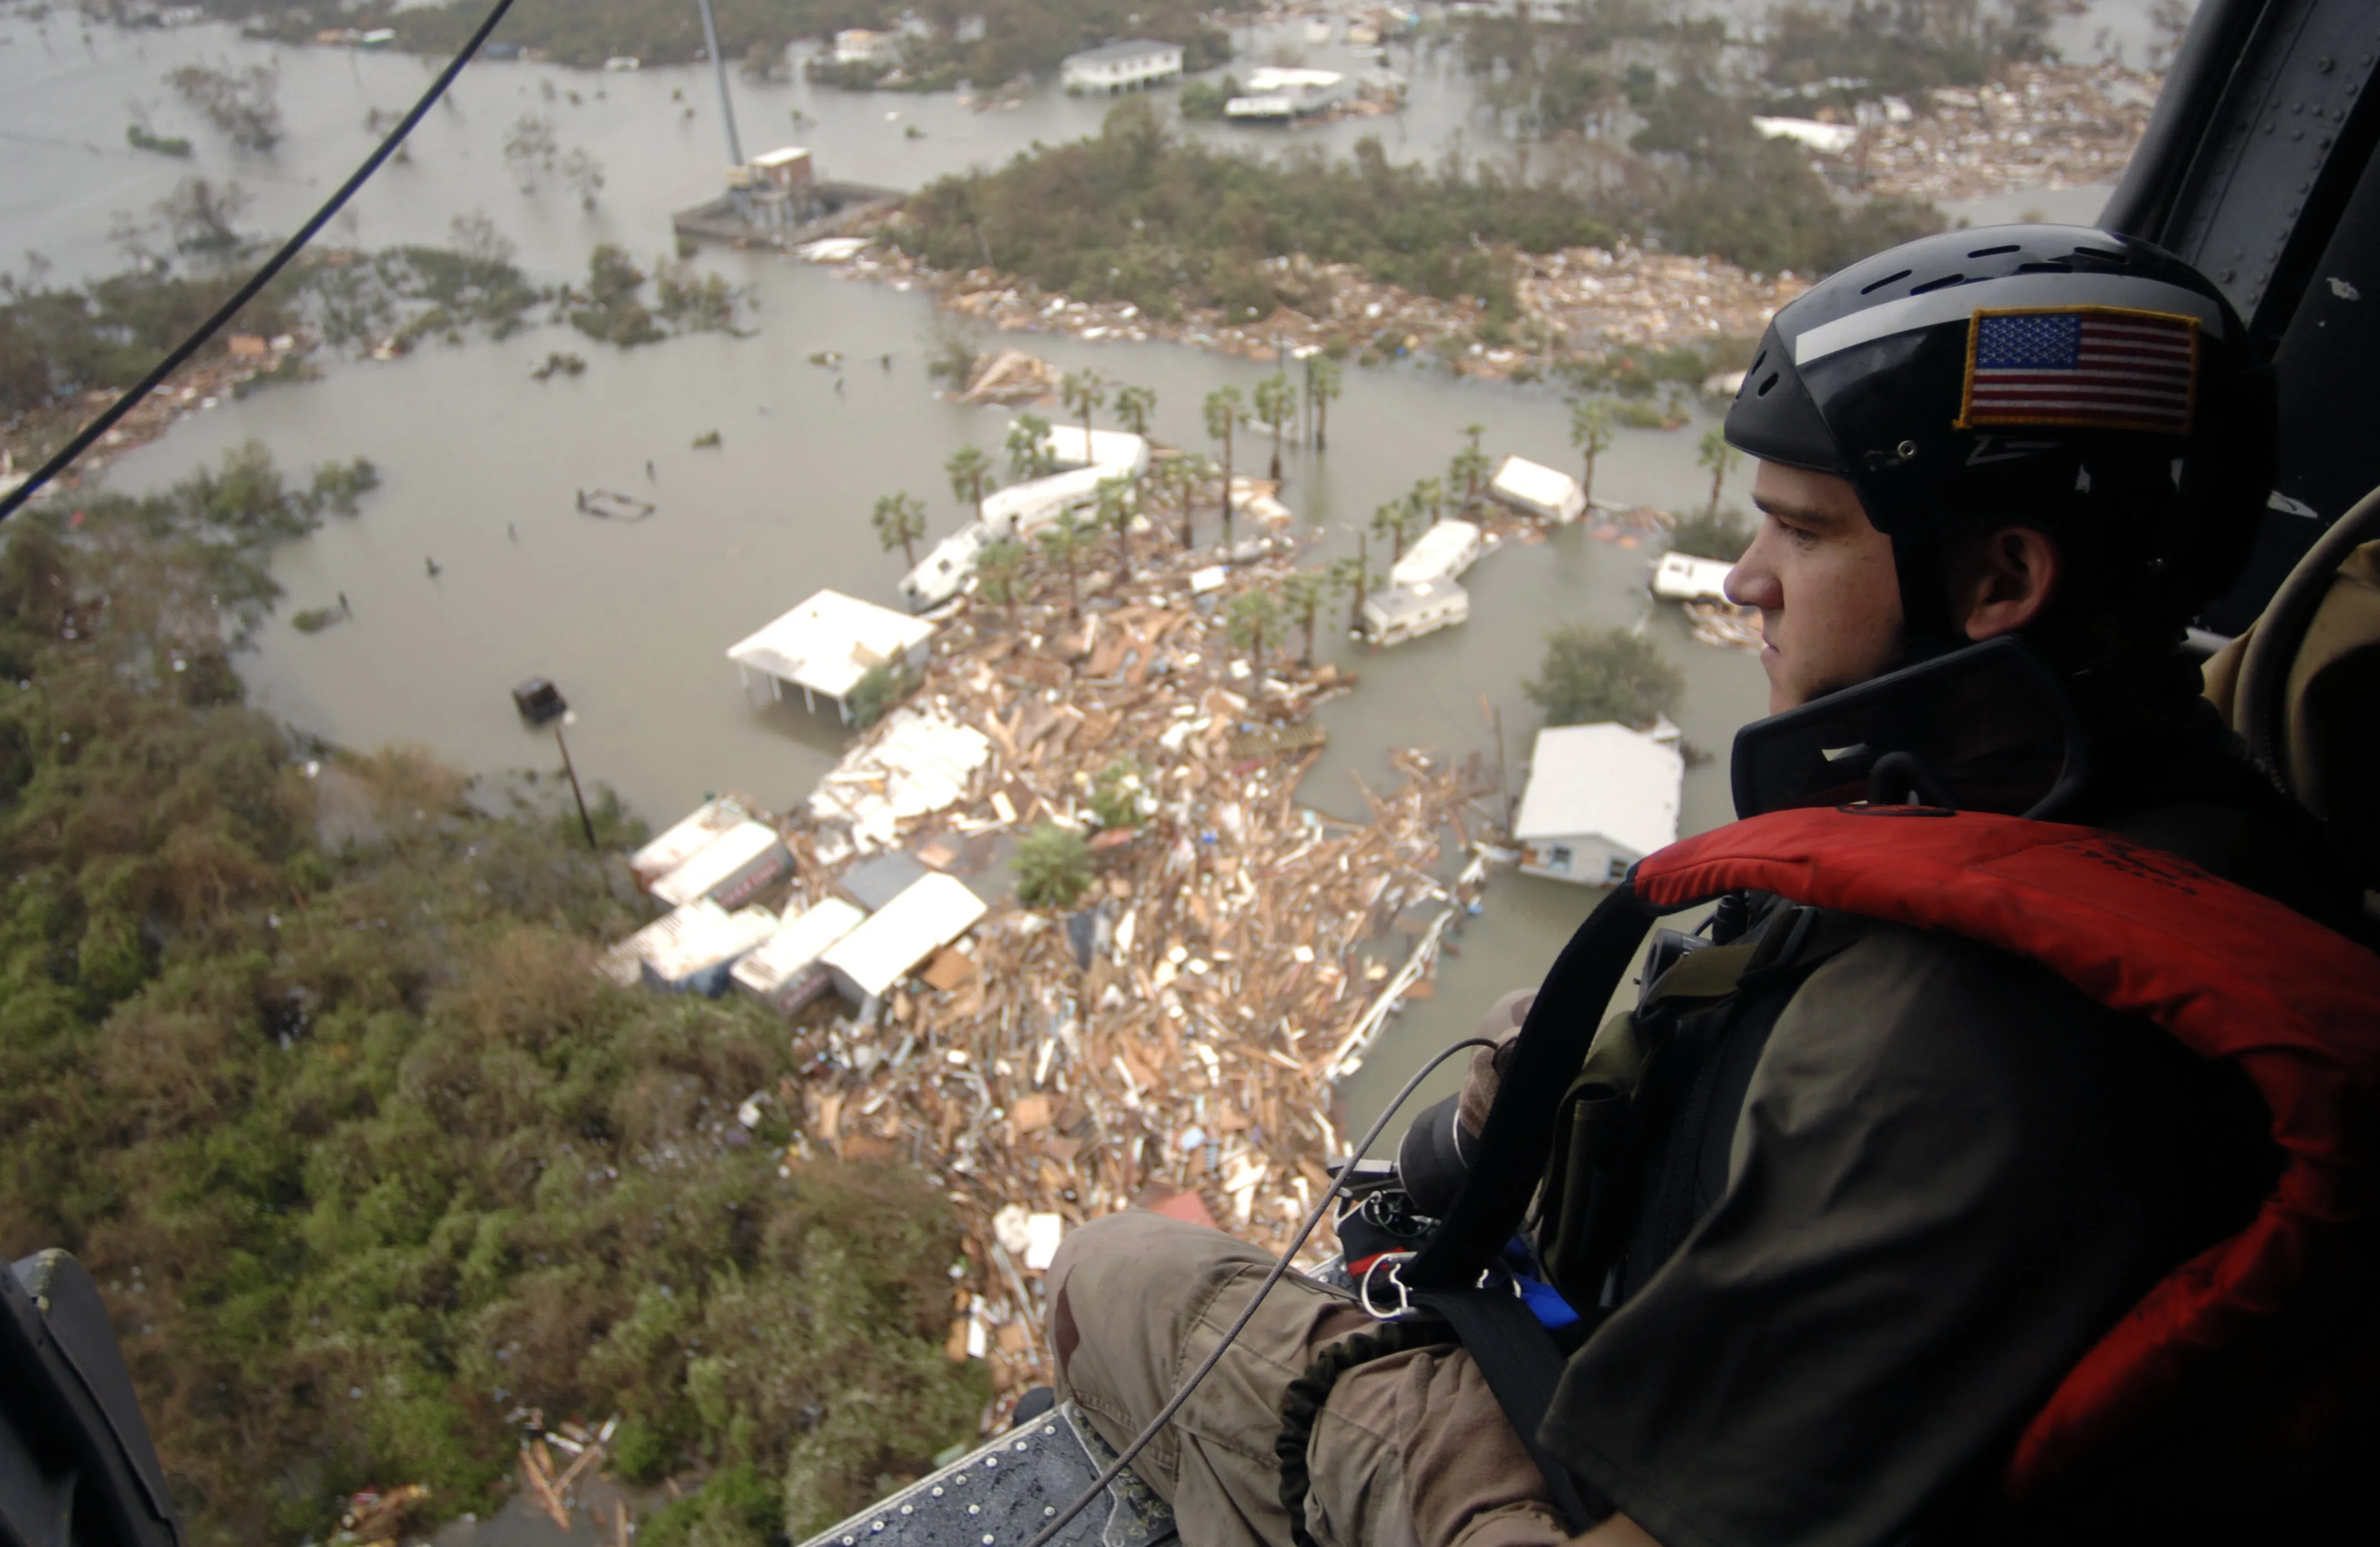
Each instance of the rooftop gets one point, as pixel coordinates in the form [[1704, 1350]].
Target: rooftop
[[830, 642], [1605, 780], [913, 926], [1534, 483], [1117, 53]]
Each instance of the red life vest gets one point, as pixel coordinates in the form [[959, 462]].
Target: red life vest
[[2233, 974]]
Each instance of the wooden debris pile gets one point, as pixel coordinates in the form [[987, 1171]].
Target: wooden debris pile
[[1172, 1033], [551, 1485]]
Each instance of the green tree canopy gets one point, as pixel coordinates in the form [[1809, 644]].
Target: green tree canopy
[[1594, 674]]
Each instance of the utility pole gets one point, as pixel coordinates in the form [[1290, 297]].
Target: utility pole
[[719, 68], [586, 822]]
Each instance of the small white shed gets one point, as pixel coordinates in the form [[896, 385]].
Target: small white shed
[[1600, 798], [785, 973], [1537, 490], [1403, 613], [1683, 578], [935, 911], [696, 955], [689, 837], [733, 867], [1442, 552]]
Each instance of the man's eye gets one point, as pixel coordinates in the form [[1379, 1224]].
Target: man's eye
[[1801, 537]]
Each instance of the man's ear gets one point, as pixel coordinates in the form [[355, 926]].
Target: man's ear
[[2002, 581]]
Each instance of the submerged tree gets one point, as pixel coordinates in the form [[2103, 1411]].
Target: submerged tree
[[1591, 676], [1720, 458], [1276, 405], [1222, 414], [1324, 381], [1136, 407], [1116, 514], [1082, 391], [245, 104], [1252, 618], [969, 470], [1303, 597], [1028, 448], [998, 573], [1590, 431], [1067, 539], [900, 521]]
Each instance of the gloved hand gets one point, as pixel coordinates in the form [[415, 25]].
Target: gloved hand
[[1503, 1023]]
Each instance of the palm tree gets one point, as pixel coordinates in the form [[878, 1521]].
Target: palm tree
[[1179, 477], [1222, 416], [1720, 458], [969, 469], [900, 521], [1428, 493], [1353, 576], [1469, 466], [1472, 433], [999, 566], [1116, 514], [1028, 448], [1303, 596], [1253, 617], [1275, 405], [1068, 538], [1324, 381], [1083, 391], [1395, 521], [1136, 407], [1590, 430]]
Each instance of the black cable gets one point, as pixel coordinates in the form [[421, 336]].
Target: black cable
[[1279, 1268], [73, 449]]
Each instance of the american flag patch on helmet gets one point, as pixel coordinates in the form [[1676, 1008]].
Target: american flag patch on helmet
[[2095, 367]]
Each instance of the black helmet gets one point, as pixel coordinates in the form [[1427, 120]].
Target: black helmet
[[2088, 383]]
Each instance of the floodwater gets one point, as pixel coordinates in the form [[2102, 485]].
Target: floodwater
[[479, 464]]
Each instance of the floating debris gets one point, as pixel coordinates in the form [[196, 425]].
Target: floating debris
[[614, 507]]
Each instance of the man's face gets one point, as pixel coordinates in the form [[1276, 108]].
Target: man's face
[[1823, 579]]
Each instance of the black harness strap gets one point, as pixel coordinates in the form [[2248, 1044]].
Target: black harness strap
[[1523, 1365]]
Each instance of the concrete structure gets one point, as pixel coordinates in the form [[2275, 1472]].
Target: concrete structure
[[857, 45], [1403, 613], [1600, 798], [689, 837], [1683, 578], [1277, 94], [1537, 490], [784, 973], [919, 763], [1122, 66], [1442, 552], [734, 867], [826, 645], [1831, 139], [866, 963], [696, 955], [944, 572]]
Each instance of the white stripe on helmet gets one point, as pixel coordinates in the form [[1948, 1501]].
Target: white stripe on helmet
[[1956, 302]]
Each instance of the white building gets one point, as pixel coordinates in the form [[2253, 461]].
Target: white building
[[733, 868], [827, 644], [1122, 66], [784, 973], [944, 572], [1114, 451], [705, 941], [866, 963], [1600, 798], [1537, 490], [1022, 509], [688, 838], [1275, 94], [1403, 613], [1683, 578], [857, 45], [1442, 552]]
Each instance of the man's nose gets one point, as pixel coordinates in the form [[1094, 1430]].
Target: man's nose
[[1752, 582]]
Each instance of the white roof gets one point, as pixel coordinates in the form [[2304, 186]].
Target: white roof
[[1019, 509], [717, 863], [1419, 597], [1442, 552], [1684, 577], [829, 642], [1273, 77], [689, 837], [706, 935], [797, 946], [934, 911], [1829, 139], [946, 565], [1602, 781], [918, 763], [1111, 451], [1118, 53], [783, 156], [1534, 484]]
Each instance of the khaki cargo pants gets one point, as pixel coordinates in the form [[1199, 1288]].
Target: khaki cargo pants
[[1410, 1451]]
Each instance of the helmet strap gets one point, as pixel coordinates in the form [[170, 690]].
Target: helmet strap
[[1926, 627]]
